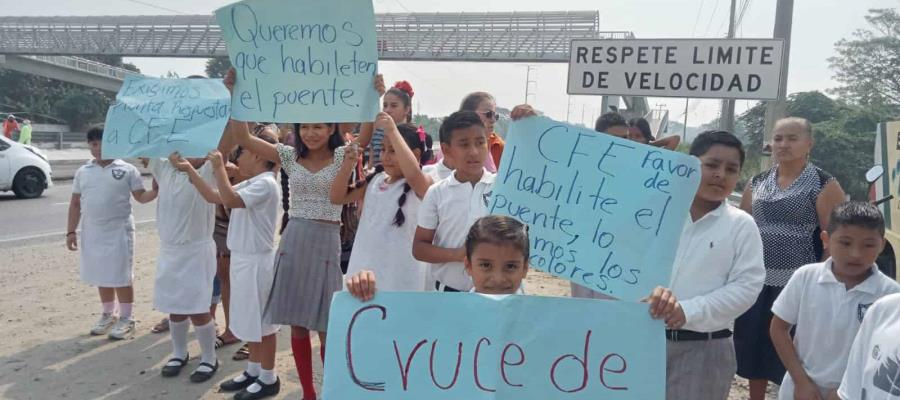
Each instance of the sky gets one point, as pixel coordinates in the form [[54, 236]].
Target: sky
[[439, 87]]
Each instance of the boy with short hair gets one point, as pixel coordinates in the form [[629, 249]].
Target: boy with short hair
[[613, 124], [717, 274], [451, 206], [873, 369], [101, 201], [825, 302]]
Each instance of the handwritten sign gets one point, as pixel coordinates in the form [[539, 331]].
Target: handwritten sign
[[480, 347], [154, 117], [706, 68], [302, 61], [603, 212]]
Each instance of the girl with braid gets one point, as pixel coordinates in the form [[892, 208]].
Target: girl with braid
[[390, 197]]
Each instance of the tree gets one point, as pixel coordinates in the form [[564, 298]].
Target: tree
[[83, 108], [216, 67], [868, 64]]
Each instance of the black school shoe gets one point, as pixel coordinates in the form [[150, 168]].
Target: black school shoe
[[266, 391], [169, 371], [233, 386], [203, 376]]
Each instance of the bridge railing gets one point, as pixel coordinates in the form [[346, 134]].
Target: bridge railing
[[85, 65]]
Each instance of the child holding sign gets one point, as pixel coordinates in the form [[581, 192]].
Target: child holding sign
[[101, 201], [451, 206], [251, 235], [717, 274], [848, 282], [389, 209]]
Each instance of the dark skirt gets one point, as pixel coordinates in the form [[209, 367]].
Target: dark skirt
[[307, 274], [756, 356]]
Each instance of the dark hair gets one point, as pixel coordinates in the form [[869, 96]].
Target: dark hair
[[267, 139], [609, 120], [400, 90], [707, 139], [95, 132], [410, 135], [458, 120], [334, 141], [861, 214], [473, 100], [643, 126], [498, 230]]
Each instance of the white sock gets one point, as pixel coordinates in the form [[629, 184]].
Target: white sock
[[206, 336], [179, 331], [253, 369], [267, 376]]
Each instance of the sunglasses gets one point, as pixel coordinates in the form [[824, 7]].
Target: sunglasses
[[490, 115]]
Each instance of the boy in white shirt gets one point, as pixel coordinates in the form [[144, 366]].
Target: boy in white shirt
[[717, 275], [825, 303], [873, 369], [251, 239], [451, 206], [101, 201]]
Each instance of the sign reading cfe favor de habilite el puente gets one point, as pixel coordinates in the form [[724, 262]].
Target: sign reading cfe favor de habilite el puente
[[699, 68]]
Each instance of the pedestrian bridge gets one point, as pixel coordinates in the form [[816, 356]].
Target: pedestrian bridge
[[68, 69]]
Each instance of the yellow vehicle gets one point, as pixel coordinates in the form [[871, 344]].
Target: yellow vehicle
[[883, 191]]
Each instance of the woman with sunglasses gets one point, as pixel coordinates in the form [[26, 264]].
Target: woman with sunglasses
[[485, 106]]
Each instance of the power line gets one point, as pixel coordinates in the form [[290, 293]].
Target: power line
[[697, 19], [402, 6], [156, 6], [711, 17]]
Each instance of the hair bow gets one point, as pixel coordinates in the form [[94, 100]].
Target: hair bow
[[405, 87]]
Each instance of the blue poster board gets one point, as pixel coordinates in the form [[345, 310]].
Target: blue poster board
[[603, 212], [302, 60], [155, 117], [469, 346]]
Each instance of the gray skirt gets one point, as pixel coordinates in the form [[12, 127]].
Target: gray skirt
[[307, 274]]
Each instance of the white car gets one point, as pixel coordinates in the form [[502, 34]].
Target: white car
[[24, 169]]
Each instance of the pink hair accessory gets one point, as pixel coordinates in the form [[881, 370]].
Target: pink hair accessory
[[421, 132]]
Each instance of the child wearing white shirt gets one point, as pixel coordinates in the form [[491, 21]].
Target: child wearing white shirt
[[451, 206], [873, 369], [825, 303], [717, 275]]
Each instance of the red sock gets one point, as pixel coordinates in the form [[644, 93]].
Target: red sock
[[303, 359]]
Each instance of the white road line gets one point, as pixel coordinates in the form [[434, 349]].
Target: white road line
[[59, 233], [59, 204]]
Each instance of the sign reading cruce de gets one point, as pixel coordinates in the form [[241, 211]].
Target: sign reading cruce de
[[475, 347], [698, 68], [302, 60], [603, 212]]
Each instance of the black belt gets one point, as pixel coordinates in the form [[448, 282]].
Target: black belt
[[684, 335]]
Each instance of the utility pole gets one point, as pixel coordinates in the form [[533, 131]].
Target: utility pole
[[726, 119], [583, 106], [528, 82], [569, 108], [775, 110], [684, 132]]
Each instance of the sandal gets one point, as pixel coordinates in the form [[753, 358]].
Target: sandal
[[162, 326], [170, 371], [220, 341], [202, 376], [242, 354]]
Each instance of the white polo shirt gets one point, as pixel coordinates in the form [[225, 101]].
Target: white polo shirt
[[873, 369], [827, 316], [182, 214], [718, 271], [437, 171], [450, 208], [252, 229], [106, 191]]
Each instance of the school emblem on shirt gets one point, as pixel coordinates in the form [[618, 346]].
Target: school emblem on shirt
[[861, 310], [118, 173]]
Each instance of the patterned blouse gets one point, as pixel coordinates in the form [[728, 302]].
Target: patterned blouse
[[310, 191], [788, 221]]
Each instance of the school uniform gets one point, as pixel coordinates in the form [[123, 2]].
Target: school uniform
[[251, 238], [107, 223], [437, 171], [826, 317], [717, 275], [186, 264], [385, 248], [450, 208], [873, 369]]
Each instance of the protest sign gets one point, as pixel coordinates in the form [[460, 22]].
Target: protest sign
[[154, 117], [302, 61], [603, 212], [705, 68], [470, 346]]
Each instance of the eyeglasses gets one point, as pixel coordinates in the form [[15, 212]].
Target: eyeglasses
[[490, 114]]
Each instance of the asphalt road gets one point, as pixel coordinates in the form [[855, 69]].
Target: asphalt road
[[42, 218]]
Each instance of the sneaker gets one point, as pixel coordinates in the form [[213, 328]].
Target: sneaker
[[103, 325], [123, 329]]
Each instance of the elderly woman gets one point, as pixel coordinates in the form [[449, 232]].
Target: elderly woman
[[791, 204]]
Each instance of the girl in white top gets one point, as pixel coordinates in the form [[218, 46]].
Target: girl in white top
[[390, 211]]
